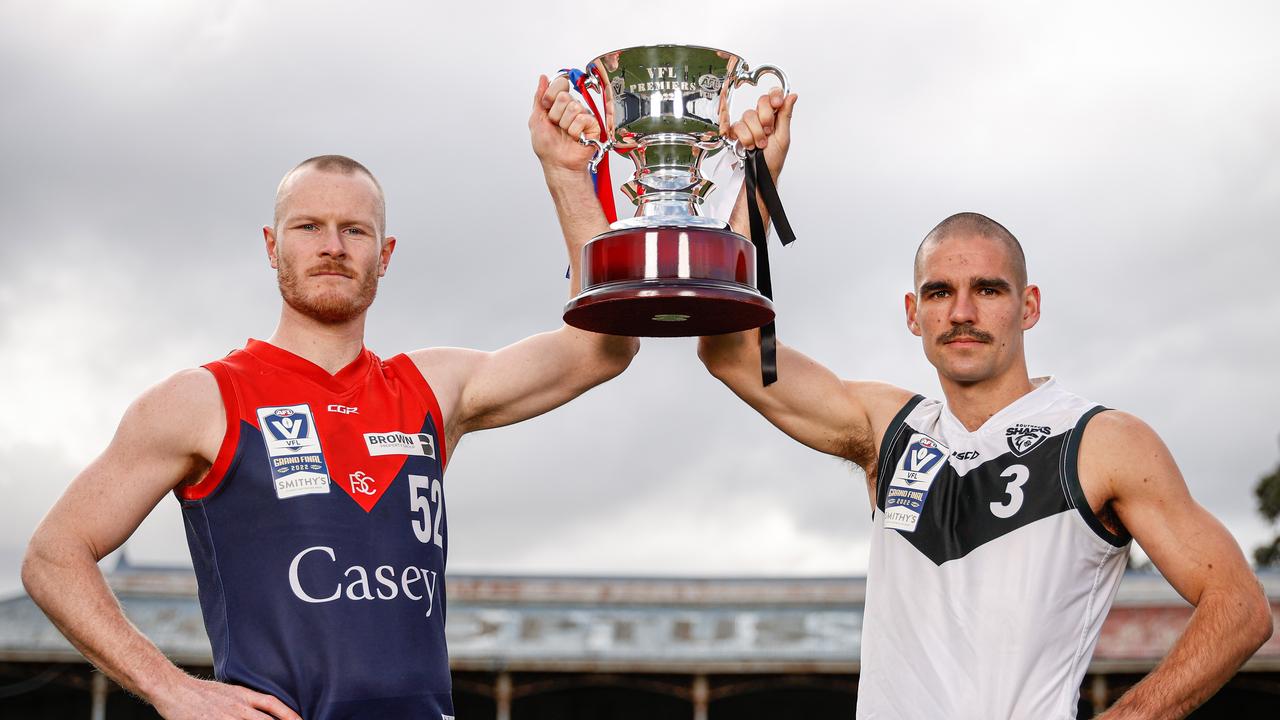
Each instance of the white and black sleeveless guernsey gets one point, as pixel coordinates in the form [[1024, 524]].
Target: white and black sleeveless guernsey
[[990, 576]]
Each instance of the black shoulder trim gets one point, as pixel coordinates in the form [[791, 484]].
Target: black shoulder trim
[[1071, 476], [886, 443]]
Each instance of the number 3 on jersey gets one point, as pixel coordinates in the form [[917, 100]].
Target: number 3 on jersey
[[425, 528], [1007, 509]]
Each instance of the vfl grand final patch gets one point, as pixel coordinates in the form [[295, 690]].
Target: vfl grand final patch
[[1024, 438], [912, 477], [293, 449]]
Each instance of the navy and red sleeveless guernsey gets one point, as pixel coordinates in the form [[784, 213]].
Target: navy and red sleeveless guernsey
[[319, 536]]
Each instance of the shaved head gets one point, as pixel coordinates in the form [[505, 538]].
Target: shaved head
[[331, 163], [971, 224]]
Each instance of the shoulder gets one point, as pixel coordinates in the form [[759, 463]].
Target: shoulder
[[446, 366], [182, 413], [193, 390], [1118, 436], [1122, 453], [880, 403], [880, 400], [447, 370]]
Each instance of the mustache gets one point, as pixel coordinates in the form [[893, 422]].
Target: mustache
[[338, 268], [965, 331]]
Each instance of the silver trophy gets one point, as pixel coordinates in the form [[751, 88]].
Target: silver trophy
[[668, 271]]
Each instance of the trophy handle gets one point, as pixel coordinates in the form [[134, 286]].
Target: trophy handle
[[747, 76], [588, 82], [602, 151]]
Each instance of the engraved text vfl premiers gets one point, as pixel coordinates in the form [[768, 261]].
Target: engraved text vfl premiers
[[913, 475], [293, 450]]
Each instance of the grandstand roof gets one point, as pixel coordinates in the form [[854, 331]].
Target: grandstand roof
[[628, 624]]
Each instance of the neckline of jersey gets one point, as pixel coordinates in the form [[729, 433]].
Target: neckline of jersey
[[338, 382], [1036, 392]]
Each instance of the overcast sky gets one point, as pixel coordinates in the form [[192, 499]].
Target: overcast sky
[[1134, 148]]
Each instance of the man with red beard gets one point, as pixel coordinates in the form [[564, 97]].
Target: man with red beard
[[310, 473]]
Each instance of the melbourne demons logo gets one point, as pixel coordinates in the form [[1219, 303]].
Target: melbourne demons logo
[[921, 456]]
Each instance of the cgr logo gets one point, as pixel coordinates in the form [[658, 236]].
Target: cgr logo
[[343, 409]]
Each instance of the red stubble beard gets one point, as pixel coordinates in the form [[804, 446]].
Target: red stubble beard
[[330, 306]]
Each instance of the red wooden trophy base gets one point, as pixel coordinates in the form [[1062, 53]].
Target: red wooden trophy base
[[668, 282]]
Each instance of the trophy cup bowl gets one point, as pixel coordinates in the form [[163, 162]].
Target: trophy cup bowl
[[668, 271]]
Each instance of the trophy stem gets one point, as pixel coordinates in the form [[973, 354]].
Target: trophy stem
[[668, 187]]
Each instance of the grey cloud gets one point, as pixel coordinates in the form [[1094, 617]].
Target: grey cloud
[[1135, 159]]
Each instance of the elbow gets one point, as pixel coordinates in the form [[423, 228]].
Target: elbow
[[732, 359], [1261, 621], [34, 565], [48, 554], [1254, 624], [618, 353], [621, 352], [630, 348], [713, 359]]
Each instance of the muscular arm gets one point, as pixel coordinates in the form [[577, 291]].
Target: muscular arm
[[1198, 556], [148, 457], [542, 372], [808, 402]]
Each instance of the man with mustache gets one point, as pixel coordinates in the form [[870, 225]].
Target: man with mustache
[[310, 474], [1002, 515]]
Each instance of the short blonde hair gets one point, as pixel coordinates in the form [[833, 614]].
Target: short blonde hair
[[333, 163]]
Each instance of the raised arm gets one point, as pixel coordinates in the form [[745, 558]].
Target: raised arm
[[149, 456], [1232, 618], [523, 380], [808, 402]]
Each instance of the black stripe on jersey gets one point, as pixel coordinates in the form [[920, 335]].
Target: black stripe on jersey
[[1071, 478], [887, 444], [958, 518]]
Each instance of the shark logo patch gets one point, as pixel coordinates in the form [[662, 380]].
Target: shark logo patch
[[1024, 438]]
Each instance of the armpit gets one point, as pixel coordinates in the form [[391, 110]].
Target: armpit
[[1109, 519], [860, 450]]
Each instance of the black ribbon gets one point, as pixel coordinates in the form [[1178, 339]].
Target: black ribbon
[[759, 177]]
